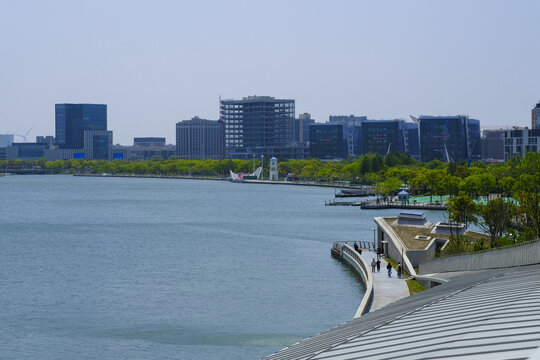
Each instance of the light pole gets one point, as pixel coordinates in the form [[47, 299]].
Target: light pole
[[253, 162], [262, 167], [373, 229]]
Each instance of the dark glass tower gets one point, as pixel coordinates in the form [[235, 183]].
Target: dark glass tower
[[73, 119], [449, 138], [328, 141], [381, 136]]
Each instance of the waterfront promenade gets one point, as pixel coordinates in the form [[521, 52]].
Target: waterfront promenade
[[385, 290]]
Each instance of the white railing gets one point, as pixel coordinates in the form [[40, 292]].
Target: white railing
[[361, 266]]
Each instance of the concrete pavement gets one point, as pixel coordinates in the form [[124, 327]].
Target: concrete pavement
[[385, 290]]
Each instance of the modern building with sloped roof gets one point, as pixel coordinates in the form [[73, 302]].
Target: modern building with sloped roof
[[493, 314]]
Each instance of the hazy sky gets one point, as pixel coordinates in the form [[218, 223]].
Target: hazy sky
[[155, 63]]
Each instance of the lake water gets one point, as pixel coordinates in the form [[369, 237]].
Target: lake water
[[115, 268]]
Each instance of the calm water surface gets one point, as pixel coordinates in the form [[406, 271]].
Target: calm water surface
[[96, 268]]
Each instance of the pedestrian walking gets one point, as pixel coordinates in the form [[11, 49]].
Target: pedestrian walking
[[399, 270], [389, 268], [378, 263], [373, 264]]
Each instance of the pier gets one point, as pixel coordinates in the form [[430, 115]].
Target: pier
[[374, 205]]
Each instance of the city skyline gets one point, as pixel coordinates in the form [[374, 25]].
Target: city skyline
[[156, 65]]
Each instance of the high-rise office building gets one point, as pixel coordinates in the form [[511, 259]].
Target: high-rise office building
[[412, 140], [383, 136], [352, 128], [449, 138], [72, 120], [199, 139], [328, 141], [98, 145], [259, 125], [493, 144], [535, 117]]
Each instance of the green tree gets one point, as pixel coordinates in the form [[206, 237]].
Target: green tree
[[388, 186], [496, 216], [376, 163], [462, 209]]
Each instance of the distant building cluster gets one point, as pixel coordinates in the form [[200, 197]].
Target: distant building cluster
[[256, 126]]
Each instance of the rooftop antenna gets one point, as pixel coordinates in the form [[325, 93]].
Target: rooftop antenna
[[25, 135]]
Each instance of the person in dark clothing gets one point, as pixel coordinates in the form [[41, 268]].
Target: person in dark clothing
[[378, 265], [389, 268], [399, 270]]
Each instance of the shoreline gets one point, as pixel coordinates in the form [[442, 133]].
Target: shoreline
[[267, 182]]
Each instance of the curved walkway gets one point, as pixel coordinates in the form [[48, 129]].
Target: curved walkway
[[385, 290]]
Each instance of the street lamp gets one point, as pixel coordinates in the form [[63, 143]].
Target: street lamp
[[262, 167], [373, 229]]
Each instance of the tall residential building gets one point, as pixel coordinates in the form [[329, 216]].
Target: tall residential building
[[199, 139], [493, 144], [72, 120], [535, 117], [259, 125], [449, 138], [520, 141], [328, 141]]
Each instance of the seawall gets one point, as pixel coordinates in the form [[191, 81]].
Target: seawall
[[357, 262]]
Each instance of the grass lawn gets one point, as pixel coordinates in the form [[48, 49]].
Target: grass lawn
[[413, 285], [407, 234]]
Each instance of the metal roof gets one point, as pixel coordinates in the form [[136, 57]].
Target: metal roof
[[483, 315]]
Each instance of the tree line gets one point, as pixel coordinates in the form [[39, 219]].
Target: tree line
[[518, 179]]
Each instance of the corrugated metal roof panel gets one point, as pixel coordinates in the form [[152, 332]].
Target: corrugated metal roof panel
[[487, 315]]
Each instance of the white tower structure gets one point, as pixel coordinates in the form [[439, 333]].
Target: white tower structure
[[273, 169]]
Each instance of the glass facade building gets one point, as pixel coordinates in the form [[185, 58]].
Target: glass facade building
[[412, 140], [258, 125], [449, 138], [382, 136], [98, 145], [328, 141], [71, 120], [493, 144]]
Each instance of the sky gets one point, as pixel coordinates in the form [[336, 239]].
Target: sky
[[155, 63]]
